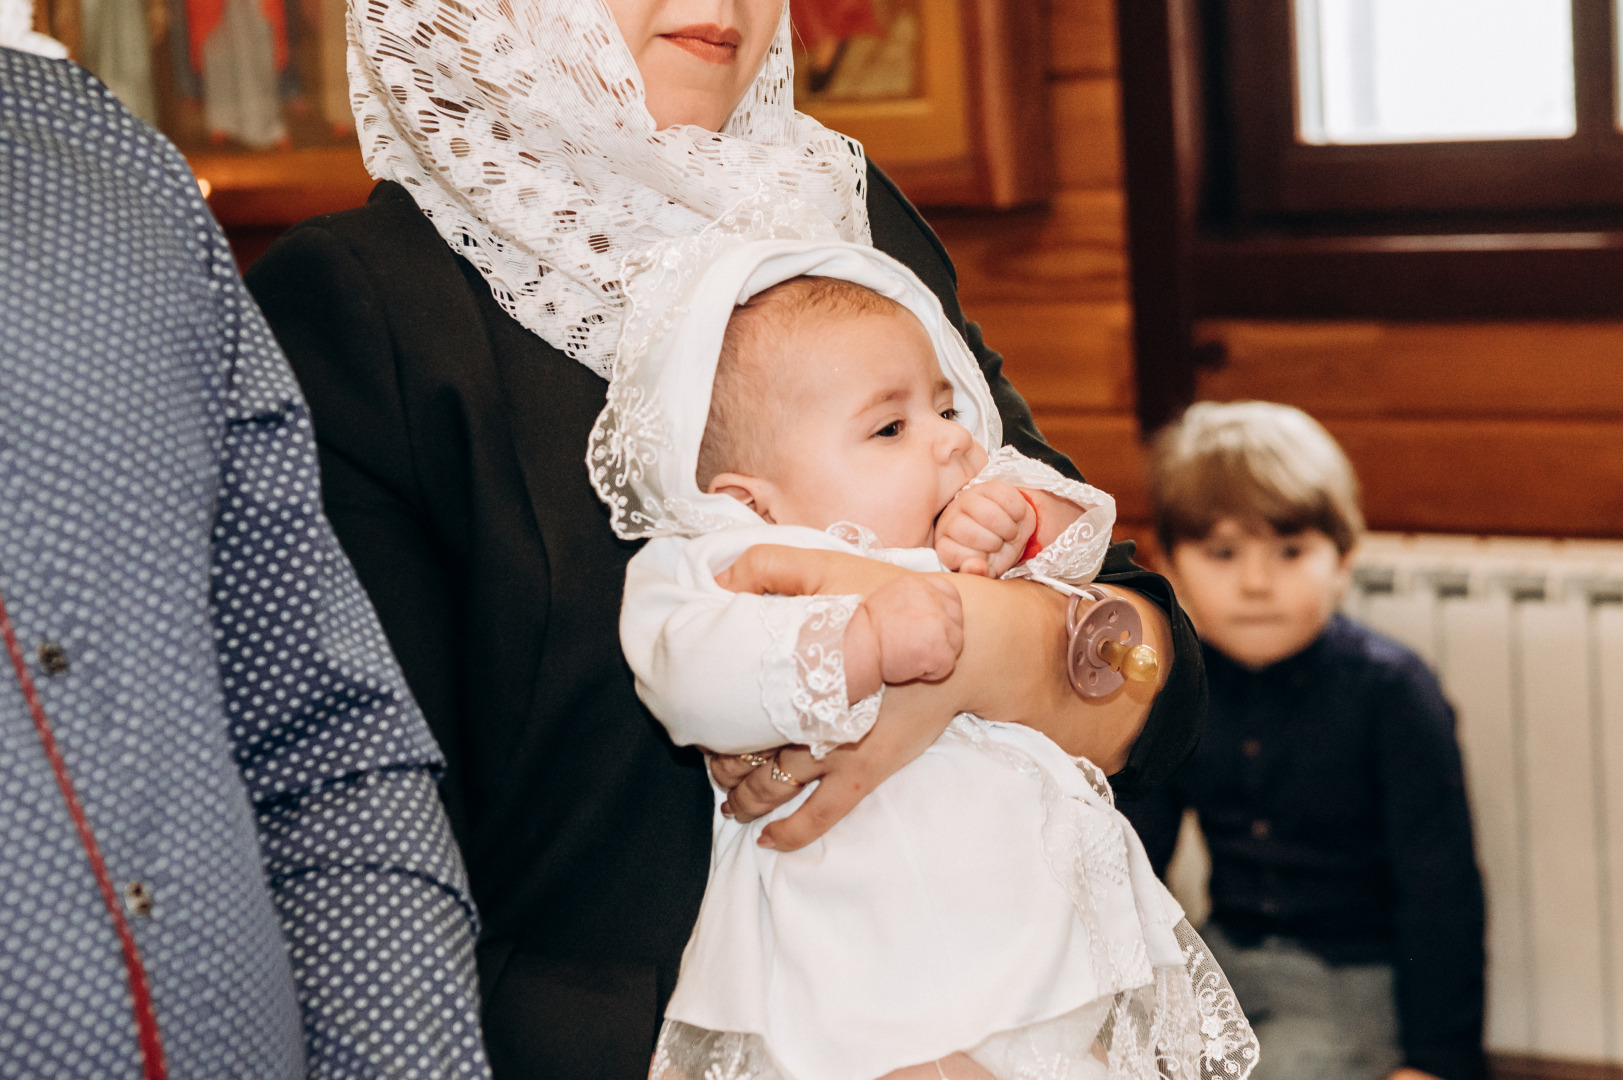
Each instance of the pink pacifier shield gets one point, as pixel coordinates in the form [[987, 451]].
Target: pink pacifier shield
[[1092, 620]]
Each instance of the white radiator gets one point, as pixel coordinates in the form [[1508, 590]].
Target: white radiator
[[1527, 637]]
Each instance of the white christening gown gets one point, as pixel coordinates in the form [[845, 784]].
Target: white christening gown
[[987, 898]]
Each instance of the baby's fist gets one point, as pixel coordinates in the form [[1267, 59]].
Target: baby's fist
[[984, 530], [918, 622]]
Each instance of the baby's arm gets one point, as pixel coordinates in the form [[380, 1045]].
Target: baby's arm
[[736, 672], [1021, 516]]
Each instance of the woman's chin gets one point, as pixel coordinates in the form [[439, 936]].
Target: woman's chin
[[684, 97]]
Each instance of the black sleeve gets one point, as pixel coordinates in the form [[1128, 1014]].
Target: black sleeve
[[320, 303], [1179, 713], [1157, 816], [1438, 892]]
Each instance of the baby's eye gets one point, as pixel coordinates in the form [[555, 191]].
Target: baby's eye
[[950, 413], [1220, 554], [890, 430], [1290, 552]]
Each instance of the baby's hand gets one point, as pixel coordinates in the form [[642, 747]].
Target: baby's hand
[[910, 628], [984, 530]]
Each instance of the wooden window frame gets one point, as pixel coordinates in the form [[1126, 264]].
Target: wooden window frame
[[1279, 177], [1232, 217]]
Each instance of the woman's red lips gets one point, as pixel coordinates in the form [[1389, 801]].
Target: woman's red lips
[[708, 42]]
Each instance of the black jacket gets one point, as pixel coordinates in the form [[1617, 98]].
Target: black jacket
[[1332, 796], [452, 456]]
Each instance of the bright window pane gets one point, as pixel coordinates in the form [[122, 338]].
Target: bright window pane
[[1387, 71]]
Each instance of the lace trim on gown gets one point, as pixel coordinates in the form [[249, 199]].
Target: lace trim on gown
[[803, 674], [1164, 1023], [1076, 554]]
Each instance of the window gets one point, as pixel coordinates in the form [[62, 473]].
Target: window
[[1421, 106], [1419, 159], [1395, 71]]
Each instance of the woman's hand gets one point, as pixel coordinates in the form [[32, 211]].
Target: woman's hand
[[1012, 668], [845, 775]]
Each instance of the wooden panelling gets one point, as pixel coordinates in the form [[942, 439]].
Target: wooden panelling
[[1518, 1067], [1087, 115], [1387, 369], [1107, 450], [1529, 477], [1526, 477], [1084, 37], [1063, 356], [1071, 250]]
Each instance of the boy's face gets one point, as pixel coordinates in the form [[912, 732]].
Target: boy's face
[[868, 433], [1256, 596]]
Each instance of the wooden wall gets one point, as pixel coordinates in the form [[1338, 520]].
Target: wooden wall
[[1049, 287], [1484, 427]]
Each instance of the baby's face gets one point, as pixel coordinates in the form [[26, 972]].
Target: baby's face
[[870, 436]]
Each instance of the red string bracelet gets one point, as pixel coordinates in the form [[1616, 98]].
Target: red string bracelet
[[1033, 546]]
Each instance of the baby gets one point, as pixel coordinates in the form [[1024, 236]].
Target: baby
[[821, 381], [985, 911]]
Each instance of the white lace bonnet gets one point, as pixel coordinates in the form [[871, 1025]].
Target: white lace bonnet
[[520, 130], [644, 450]]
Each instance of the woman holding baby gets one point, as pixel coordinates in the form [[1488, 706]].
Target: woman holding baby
[[454, 338]]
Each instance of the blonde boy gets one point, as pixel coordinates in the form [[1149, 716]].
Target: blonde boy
[[1346, 904]]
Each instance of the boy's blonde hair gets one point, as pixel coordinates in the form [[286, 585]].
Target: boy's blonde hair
[[1256, 461], [746, 404]]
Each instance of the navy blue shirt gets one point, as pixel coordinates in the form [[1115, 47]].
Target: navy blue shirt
[[1330, 790]]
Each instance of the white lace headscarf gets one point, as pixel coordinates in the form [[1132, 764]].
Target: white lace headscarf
[[644, 450], [520, 129]]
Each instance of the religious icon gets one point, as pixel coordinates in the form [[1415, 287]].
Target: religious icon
[[948, 96], [226, 75], [857, 50], [239, 48]]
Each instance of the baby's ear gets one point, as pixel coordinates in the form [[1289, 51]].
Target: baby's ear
[[752, 491]]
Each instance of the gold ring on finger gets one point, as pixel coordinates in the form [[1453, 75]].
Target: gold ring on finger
[[754, 761], [782, 776]]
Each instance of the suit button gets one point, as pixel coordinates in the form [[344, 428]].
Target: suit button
[[138, 898], [1260, 829], [1251, 748], [53, 658]]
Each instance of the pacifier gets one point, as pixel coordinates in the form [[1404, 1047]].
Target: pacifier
[[1106, 644]]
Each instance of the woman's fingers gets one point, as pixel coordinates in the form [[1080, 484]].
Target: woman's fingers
[[789, 571], [728, 769], [771, 785], [836, 796], [850, 773]]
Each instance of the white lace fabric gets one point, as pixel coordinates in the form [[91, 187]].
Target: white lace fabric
[[643, 453], [1185, 1025], [1166, 1011], [1077, 553], [803, 677], [521, 131], [1127, 1008]]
